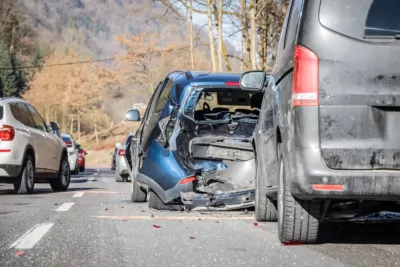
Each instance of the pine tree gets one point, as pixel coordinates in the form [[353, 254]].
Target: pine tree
[[12, 77]]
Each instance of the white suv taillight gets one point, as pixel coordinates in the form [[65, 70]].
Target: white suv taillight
[[7, 133], [305, 90]]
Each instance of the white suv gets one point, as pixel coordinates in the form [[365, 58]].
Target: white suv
[[29, 152], [72, 153]]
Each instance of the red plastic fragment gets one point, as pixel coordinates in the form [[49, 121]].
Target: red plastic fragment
[[255, 224], [294, 243], [192, 237], [105, 209], [20, 253], [156, 226]]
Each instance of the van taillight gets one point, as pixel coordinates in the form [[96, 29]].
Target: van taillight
[[7, 133], [121, 152], [305, 91]]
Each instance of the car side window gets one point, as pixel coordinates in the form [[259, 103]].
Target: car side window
[[39, 122], [25, 116], [163, 97], [15, 112], [151, 102]]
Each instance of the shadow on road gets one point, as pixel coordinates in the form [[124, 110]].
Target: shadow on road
[[40, 191], [361, 233]]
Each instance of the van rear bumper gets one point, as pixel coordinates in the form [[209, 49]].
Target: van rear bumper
[[309, 169], [9, 171]]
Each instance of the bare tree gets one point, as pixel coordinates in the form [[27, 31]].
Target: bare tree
[[211, 36]]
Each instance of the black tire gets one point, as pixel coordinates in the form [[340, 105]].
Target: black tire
[[61, 183], [138, 194], [82, 169], [265, 209], [156, 203], [298, 220], [76, 171], [25, 183]]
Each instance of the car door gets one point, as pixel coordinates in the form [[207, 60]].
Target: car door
[[152, 129], [47, 144], [159, 106], [36, 137]]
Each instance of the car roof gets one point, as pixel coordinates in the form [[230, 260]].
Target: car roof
[[12, 99], [202, 76]]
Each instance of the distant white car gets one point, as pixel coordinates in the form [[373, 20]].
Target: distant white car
[[29, 151], [72, 153]]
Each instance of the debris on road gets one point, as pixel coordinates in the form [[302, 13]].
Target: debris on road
[[255, 224], [19, 253], [156, 226], [192, 237]]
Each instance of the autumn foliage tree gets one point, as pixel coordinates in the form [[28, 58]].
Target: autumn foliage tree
[[72, 94]]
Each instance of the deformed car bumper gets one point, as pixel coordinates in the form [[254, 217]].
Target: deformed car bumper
[[218, 201]]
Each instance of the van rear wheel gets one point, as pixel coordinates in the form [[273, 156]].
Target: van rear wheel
[[25, 183], [298, 220], [265, 209]]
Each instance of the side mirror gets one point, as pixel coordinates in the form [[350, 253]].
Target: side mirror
[[253, 80], [132, 115]]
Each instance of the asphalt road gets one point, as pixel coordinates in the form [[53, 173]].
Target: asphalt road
[[95, 224]]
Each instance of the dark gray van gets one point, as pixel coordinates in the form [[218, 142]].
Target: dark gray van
[[327, 139]]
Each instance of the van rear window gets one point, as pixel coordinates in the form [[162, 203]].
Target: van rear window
[[362, 19]]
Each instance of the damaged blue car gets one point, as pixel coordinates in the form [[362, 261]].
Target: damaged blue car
[[193, 149]]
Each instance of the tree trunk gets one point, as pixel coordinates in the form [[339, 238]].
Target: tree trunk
[[211, 37], [227, 62], [79, 128], [253, 35], [245, 31], [190, 28], [72, 124], [63, 126], [220, 40], [95, 132], [47, 111]]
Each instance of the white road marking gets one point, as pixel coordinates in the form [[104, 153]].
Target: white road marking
[[30, 238], [79, 194], [90, 180], [65, 207]]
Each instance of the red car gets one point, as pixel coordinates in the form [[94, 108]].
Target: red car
[[81, 159]]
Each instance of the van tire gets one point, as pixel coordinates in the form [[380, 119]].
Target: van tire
[[298, 220], [61, 183], [265, 209], [25, 184]]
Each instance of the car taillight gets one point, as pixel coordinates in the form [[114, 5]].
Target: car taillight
[[7, 133], [68, 143], [305, 91], [121, 152], [232, 83]]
